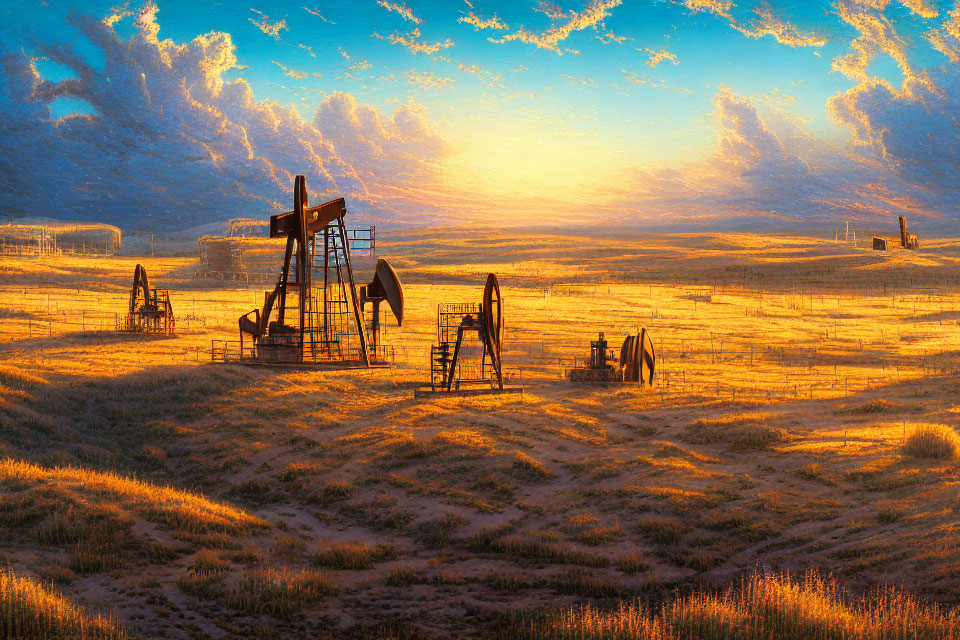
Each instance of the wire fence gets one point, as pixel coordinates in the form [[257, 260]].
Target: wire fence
[[847, 341]]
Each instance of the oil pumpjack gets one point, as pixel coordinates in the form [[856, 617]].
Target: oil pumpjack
[[319, 311], [150, 310], [455, 322], [637, 363]]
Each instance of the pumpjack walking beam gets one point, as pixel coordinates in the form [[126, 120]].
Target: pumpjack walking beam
[[300, 227]]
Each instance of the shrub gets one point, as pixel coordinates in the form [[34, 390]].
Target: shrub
[[932, 442]]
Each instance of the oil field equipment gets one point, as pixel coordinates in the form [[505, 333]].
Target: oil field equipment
[[638, 358], [150, 310], [319, 312], [636, 363], [455, 321], [602, 367], [907, 240]]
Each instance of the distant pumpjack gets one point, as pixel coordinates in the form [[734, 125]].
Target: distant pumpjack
[[150, 311], [907, 240]]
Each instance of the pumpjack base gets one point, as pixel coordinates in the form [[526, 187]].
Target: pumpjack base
[[430, 392]]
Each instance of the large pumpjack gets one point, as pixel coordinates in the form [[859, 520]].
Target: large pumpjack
[[150, 310], [455, 323], [319, 313]]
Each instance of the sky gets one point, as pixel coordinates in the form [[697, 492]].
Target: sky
[[619, 112]]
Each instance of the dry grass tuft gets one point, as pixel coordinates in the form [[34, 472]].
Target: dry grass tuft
[[531, 467], [874, 407], [163, 505], [932, 442], [354, 556], [663, 530], [281, 593], [205, 576], [31, 610], [631, 563], [759, 608]]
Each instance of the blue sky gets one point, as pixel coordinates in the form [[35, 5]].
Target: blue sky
[[623, 86]]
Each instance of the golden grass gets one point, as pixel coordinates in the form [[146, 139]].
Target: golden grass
[[933, 442], [31, 610], [279, 593], [164, 505], [530, 466], [354, 556], [758, 608]]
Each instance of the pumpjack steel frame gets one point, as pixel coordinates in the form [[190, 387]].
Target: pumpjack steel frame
[[149, 310], [331, 332], [457, 320]]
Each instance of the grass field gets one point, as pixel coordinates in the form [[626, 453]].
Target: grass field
[[803, 419]]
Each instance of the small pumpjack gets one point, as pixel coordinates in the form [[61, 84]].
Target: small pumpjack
[[636, 364], [455, 321], [907, 240], [603, 367], [150, 310], [319, 323]]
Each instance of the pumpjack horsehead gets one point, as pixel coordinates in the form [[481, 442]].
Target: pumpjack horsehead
[[310, 231], [489, 326]]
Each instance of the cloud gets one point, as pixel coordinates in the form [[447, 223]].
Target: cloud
[[634, 78], [480, 23], [747, 145], [402, 146], [427, 80], [784, 32], [607, 37], [766, 23], [656, 57], [475, 70], [412, 43], [317, 13], [355, 65], [946, 40], [172, 144], [299, 75], [768, 172], [921, 7], [272, 29], [564, 24], [911, 128], [579, 81], [716, 7], [400, 8]]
